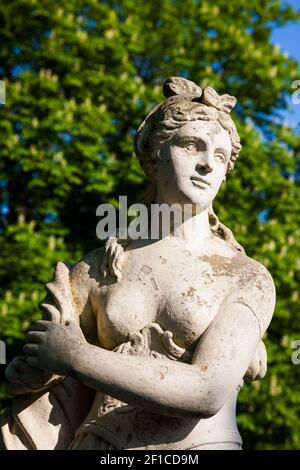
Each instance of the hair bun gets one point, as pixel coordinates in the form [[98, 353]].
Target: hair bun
[[180, 86]]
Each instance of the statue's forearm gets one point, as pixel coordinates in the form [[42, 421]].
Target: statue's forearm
[[163, 386]]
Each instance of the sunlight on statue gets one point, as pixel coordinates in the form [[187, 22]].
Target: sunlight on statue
[[145, 343]]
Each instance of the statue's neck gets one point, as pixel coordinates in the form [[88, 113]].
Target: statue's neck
[[190, 223], [196, 228]]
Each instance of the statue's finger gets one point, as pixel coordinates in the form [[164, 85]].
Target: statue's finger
[[33, 375], [35, 336], [33, 361], [41, 325], [262, 360], [12, 374], [31, 349]]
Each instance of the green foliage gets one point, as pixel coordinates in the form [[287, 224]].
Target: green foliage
[[80, 78]]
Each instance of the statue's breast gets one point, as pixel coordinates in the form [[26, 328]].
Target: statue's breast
[[181, 293], [128, 306], [189, 311]]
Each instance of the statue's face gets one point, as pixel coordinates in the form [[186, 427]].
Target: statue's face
[[193, 164]]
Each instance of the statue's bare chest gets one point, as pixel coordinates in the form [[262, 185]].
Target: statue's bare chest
[[178, 290]]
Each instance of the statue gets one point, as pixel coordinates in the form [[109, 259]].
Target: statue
[[145, 344]]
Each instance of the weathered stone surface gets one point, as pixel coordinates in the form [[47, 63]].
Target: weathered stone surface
[[153, 338]]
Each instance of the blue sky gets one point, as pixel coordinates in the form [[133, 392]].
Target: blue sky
[[288, 38]]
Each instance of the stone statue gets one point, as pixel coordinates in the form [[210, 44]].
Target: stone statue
[[145, 344]]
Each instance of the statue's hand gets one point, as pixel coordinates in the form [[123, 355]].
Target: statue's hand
[[23, 378], [52, 347], [258, 366]]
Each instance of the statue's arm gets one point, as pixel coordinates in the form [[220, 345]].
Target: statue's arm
[[259, 294], [166, 387]]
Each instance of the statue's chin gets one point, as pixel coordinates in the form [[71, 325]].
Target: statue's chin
[[199, 198]]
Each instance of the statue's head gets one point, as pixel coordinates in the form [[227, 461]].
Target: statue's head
[[188, 143], [186, 146]]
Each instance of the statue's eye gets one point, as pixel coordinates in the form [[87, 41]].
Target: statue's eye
[[191, 147], [220, 157]]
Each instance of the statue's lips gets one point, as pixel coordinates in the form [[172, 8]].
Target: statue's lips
[[200, 182]]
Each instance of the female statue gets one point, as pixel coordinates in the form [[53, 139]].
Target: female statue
[[156, 337]]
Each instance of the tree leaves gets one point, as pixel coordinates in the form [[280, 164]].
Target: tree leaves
[[80, 78]]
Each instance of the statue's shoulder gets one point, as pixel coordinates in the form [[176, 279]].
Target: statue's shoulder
[[84, 277], [255, 273], [256, 288], [87, 270]]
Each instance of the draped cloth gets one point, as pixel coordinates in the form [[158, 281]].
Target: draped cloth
[[47, 420]]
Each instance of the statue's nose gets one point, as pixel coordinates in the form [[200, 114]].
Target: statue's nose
[[203, 168]]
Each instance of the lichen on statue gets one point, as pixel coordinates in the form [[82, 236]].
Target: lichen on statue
[[154, 338]]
